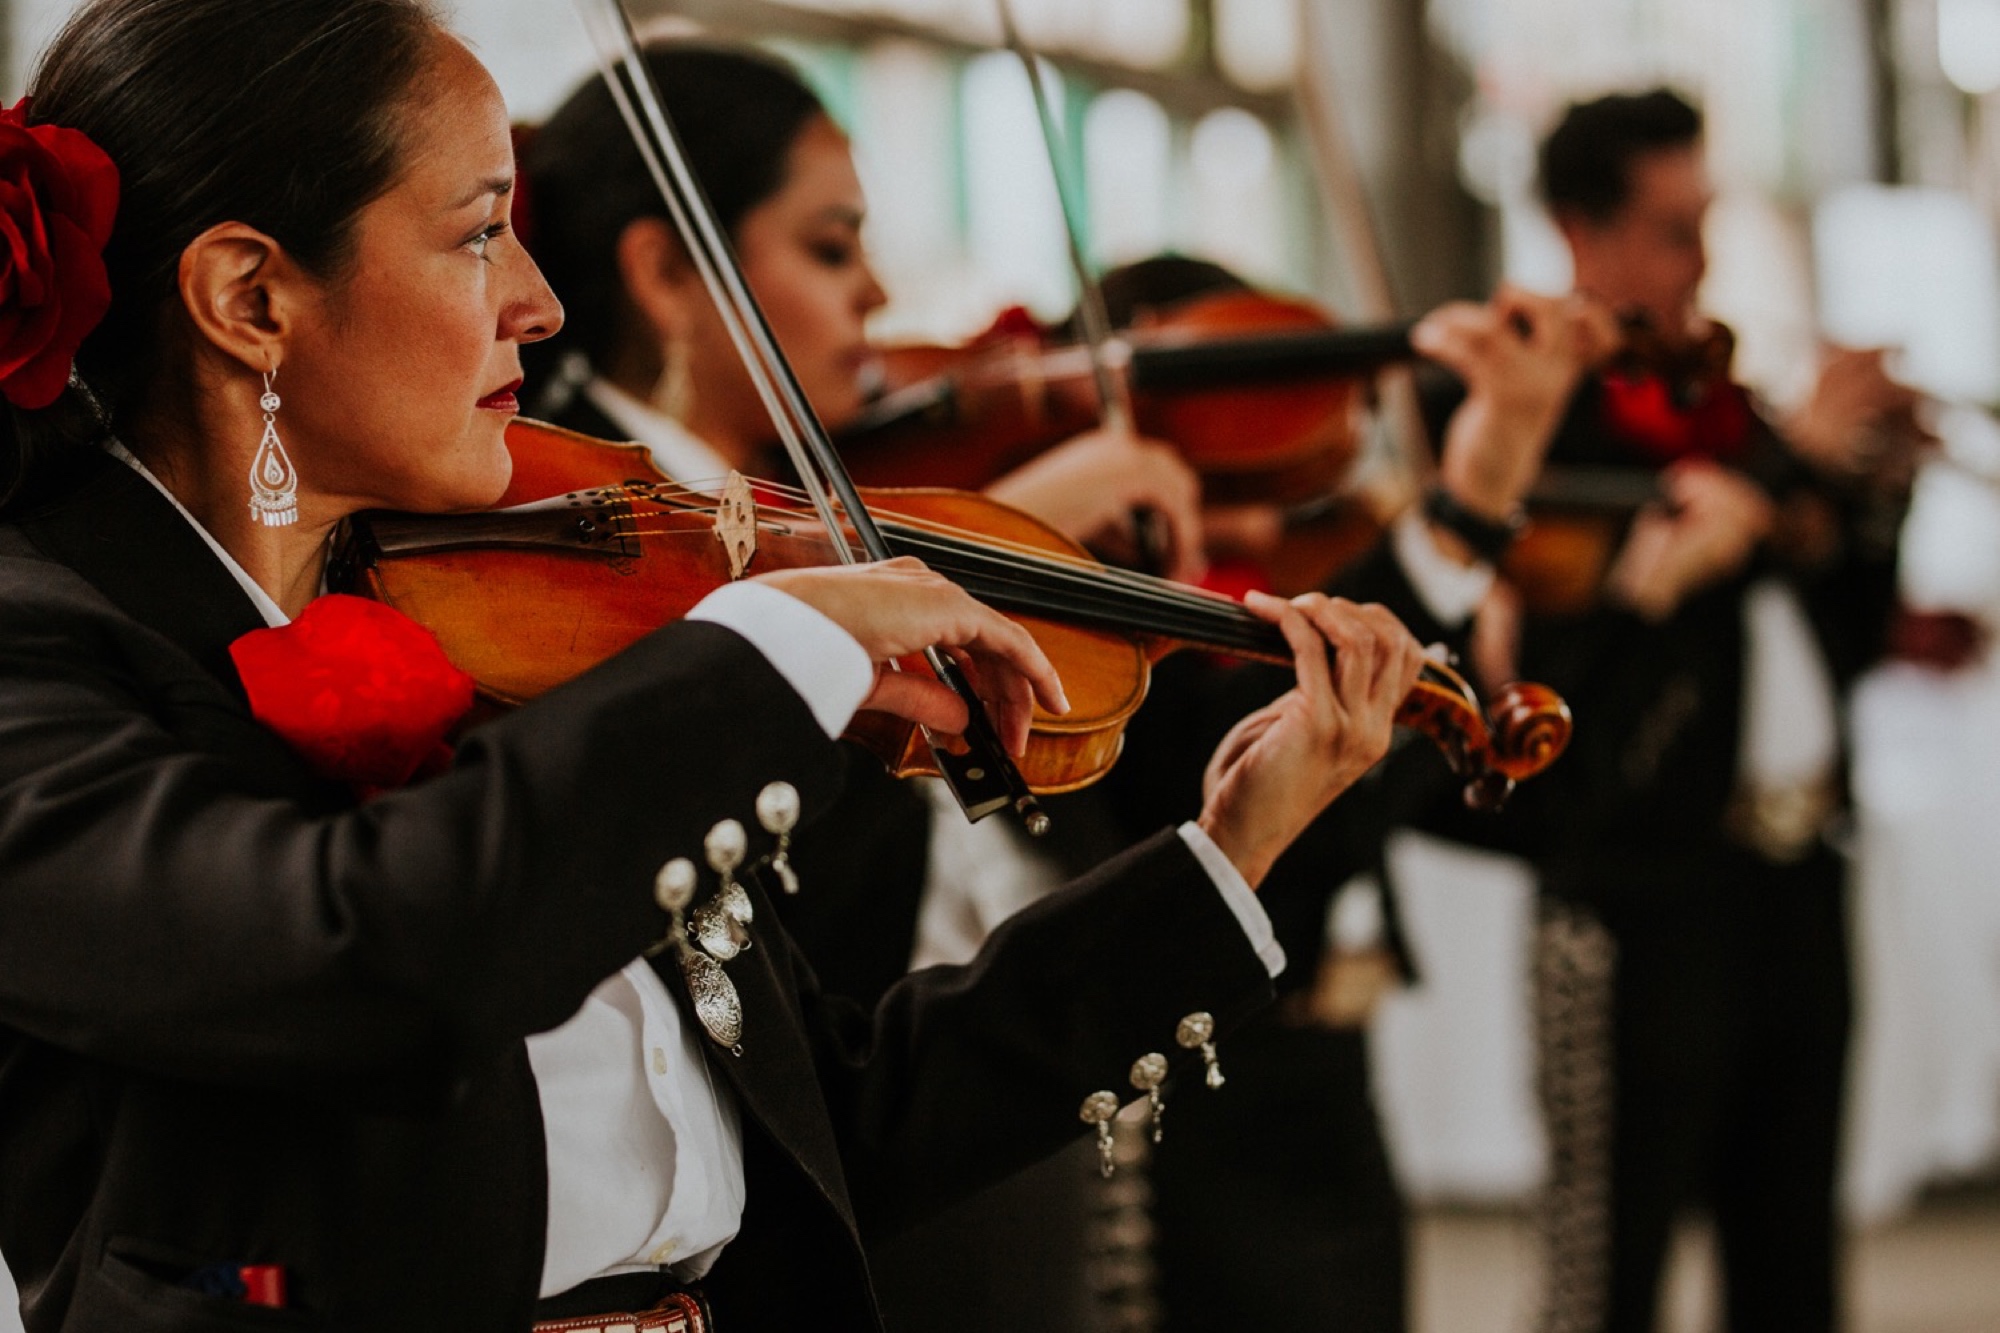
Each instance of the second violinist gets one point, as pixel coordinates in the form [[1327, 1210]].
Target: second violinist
[[649, 359]]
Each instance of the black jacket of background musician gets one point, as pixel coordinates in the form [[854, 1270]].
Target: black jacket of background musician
[[1638, 802], [243, 1020]]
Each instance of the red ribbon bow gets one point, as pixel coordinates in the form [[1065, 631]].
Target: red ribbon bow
[[362, 692], [1642, 410]]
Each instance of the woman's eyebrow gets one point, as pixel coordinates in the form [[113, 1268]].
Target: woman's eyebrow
[[500, 185]]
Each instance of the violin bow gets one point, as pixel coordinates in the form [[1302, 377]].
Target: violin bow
[[1114, 394], [1345, 196], [1114, 390], [983, 777]]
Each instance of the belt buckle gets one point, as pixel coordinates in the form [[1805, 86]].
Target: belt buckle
[[1782, 824], [1347, 990], [681, 1312]]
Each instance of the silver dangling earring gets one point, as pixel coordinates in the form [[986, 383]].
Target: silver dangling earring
[[274, 482]]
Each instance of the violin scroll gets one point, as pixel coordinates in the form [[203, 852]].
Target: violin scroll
[[1524, 731], [1529, 727]]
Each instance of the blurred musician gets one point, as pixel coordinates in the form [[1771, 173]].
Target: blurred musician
[[1691, 974]]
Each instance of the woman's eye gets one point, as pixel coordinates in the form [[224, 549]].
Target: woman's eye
[[479, 243], [833, 254]]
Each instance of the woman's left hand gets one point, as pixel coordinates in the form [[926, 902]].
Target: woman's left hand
[[1283, 764]]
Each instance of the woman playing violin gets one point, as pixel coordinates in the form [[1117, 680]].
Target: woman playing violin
[[649, 359], [276, 1054]]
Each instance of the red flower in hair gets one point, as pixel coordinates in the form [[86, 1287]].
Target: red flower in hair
[[58, 197], [362, 692]]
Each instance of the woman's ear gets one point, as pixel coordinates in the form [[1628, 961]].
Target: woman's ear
[[659, 281], [242, 293]]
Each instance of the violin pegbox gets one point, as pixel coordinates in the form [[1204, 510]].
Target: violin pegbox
[[736, 523]]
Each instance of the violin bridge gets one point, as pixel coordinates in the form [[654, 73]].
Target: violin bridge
[[736, 523]]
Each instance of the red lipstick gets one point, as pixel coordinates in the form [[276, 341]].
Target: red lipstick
[[503, 399]]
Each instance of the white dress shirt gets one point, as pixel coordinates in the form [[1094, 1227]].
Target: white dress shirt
[[1791, 718], [1451, 592]]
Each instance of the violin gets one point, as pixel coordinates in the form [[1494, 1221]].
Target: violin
[[599, 566], [1578, 516], [527, 597], [1263, 396]]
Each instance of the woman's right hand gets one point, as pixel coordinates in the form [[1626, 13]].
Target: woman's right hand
[[1089, 487], [1283, 764], [897, 608], [1521, 356]]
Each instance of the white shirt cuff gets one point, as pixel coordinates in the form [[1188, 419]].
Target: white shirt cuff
[[1237, 893], [1450, 591], [818, 658]]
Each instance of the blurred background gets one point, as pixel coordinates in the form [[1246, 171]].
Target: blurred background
[[1378, 156]]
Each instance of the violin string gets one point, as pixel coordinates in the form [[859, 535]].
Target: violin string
[[1187, 607], [1029, 573], [999, 582], [1139, 584]]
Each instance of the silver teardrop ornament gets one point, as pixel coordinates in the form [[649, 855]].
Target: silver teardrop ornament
[[735, 900], [719, 932], [716, 1003]]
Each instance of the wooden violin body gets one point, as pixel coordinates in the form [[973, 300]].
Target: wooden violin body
[[1262, 396], [1578, 516], [527, 597]]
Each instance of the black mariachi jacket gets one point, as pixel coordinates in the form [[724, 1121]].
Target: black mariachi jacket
[[1637, 804], [867, 854], [243, 1020]]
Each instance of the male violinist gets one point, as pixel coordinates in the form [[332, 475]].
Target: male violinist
[[1691, 976]]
